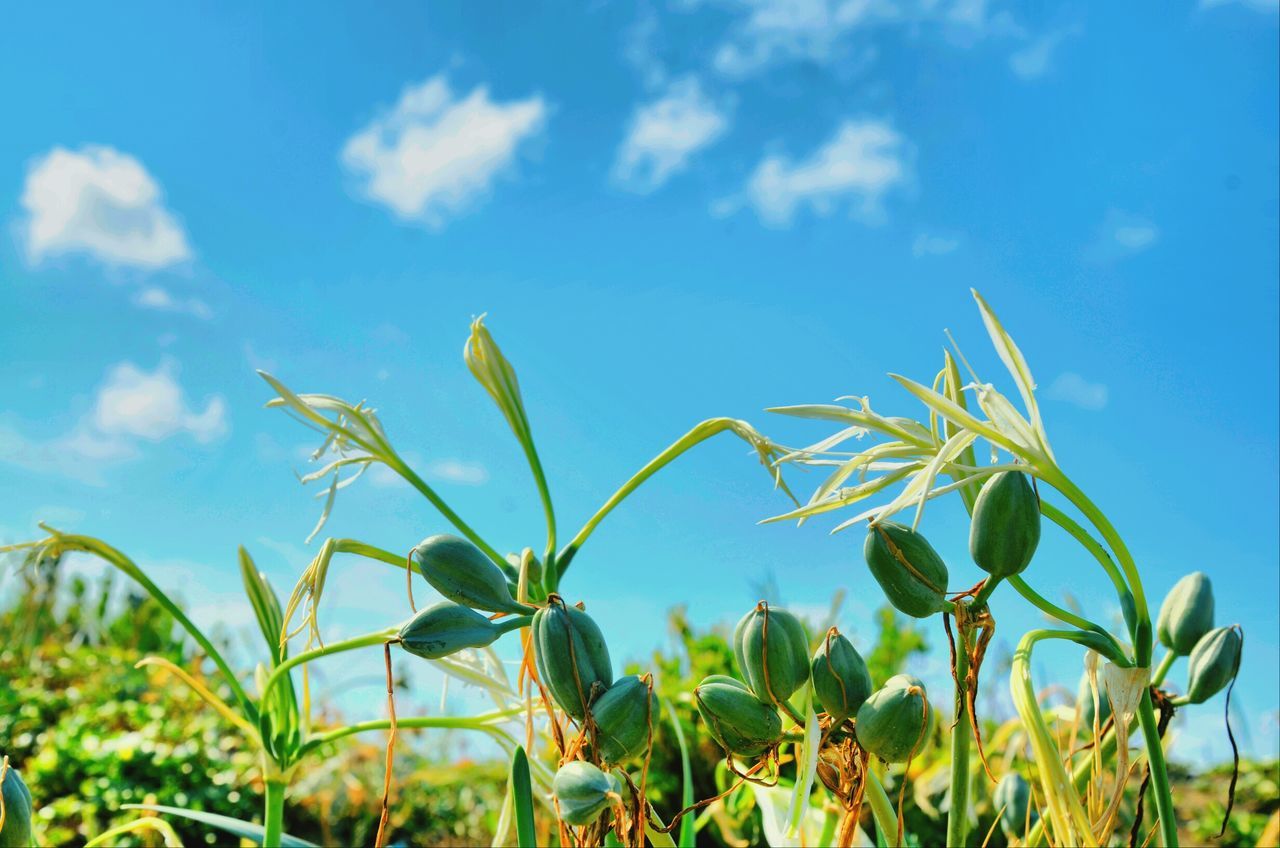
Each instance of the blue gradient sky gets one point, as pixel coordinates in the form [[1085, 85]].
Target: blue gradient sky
[[669, 212]]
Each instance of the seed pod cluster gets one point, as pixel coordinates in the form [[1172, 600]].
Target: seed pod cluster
[[738, 720], [1005, 528], [1186, 614], [841, 681], [16, 832], [1013, 797], [1214, 661], [893, 723], [446, 628], [583, 792], [624, 716], [462, 573], [908, 569], [571, 656], [772, 652]]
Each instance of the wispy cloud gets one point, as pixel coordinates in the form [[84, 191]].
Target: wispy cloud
[[1036, 58], [100, 203], [434, 156], [447, 470], [155, 297], [1072, 388], [1122, 234], [932, 244], [665, 133], [854, 169], [131, 406]]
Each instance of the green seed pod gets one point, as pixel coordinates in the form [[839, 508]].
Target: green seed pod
[[1214, 662], [583, 792], [462, 573], [908, 569], [571, 656], [624, 717], [771, 639], [736, 717], [1013, 795], [893, 722], [840, 678], [446, 628], [1186, 614], [16, 832], [1005, 528], [1084, 705]]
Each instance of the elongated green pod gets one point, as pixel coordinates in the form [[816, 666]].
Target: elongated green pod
[[1013, 796], [1186, 614], [624, 717], [462, 573], [908, 569], [894, 721], [772, 651], [738, 720], [841, 681], [1005, 528], [583, 792], [446, 628], [16, 832], [1214, 661], [571, 656]]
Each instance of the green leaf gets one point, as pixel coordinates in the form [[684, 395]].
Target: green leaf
[[688, 835], [243, 829], [522, 793], [953, 412], [1013, 360]]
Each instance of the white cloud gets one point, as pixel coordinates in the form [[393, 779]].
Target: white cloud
[[1035, 59], [448, 470], [434, 156], [1121, 235], [101, 203], [857, 166], [665, 133], [1072, 388], [930, 244], [154, 297], [131, 405]]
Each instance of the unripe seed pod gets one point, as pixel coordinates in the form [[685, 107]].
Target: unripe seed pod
[[624, 717], [894, 721], [1214, 662], [772, 652], [1186, 614], [571, 656], [841, 681], [16, 832], [736, 717], [1005, 528], [446, 628], [1013, 795], [908, 569], [462, 573], [583, 792]]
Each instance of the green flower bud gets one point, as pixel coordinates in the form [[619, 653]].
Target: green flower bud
[[1215, 660], [738, 720], [1005, 528], [462, 573], [446, 628], [893, 723], [1186, 614], [624, 717], [908, 569], [571, 656], [841, 681], [1013, 795], [16, 832], [771, 640], [583, 792]]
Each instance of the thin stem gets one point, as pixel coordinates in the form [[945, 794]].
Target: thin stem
[[365, 641], [480, 722], [1162, 670], [443, 508], [1114, 651], [273, 812], [1090, 544], [544, 494], [958, 815], [881, 807], [354, 546], [1159, 771]]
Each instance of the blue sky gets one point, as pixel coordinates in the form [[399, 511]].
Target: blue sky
[[670, 212]]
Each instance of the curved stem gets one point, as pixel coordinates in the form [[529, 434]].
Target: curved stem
[[365, 641], [480, 722], [1142, 631], [1090, 544], [1162, 670], [1159, 771], [355, 546], [397, 464], [958, 814], [882, 808], [273, 812], [1113, 650]]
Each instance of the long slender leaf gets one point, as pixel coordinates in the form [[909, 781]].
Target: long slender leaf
[[688, 830], [522, 795], [243, 829]]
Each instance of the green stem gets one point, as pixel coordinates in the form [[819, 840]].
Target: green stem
[[958, 815], [353, 546], [273, 813], [882, 808], [443, 508], [1090, 544], [1114, 651], [1162, 670], [365, 641], [480, 722], [1142, 630], [1159, 771]]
